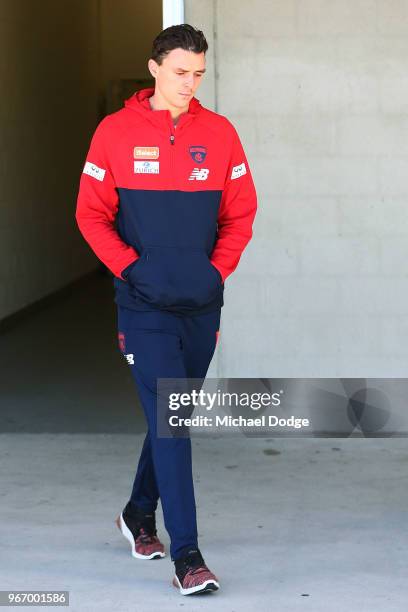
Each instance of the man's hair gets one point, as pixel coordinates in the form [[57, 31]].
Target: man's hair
[[182, 36]]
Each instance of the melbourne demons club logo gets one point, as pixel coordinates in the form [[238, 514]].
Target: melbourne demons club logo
[[198, 153]]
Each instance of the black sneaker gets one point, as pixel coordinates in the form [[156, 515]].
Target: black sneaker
[[139, 528], [192, 574]]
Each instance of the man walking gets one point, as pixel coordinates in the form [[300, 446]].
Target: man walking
[[167, 202]]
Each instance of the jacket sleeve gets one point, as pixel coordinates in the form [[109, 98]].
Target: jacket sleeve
[[236, 213], [97, 206]]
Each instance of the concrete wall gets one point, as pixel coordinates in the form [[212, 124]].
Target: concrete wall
[[56, 60], [319, 94]]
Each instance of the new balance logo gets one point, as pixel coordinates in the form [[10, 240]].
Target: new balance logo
[[199, 174], [130, 358]]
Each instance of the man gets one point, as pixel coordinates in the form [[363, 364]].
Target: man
[[167, 202]]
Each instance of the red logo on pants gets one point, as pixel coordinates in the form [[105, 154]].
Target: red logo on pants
[[121, 339]]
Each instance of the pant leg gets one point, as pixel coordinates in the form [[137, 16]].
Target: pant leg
[[199, 339], [145, 493], [153, 349], [199, 336]]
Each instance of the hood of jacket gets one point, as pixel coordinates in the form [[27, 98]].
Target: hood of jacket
[[139, 102]]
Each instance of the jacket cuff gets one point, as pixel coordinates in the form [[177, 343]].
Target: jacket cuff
[[126, 271], [219, 270]]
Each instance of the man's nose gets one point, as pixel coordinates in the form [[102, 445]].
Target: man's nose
[[189, 82]]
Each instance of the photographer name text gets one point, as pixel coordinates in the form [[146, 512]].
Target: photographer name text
[[239, 421]]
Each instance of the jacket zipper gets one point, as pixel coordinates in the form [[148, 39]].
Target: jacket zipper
[[172, 143], [172, 149]]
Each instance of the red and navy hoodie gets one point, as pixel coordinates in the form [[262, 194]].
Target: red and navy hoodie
[[169, 210]]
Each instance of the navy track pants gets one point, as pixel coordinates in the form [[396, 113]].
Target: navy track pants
[[159, 344]]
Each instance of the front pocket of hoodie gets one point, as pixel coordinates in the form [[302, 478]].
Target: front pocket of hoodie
[[176, 276]]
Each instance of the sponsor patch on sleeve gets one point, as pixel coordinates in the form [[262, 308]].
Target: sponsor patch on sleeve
[[238, 171], [93, 170]]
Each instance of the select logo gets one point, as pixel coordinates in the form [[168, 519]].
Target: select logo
[[146, 152]]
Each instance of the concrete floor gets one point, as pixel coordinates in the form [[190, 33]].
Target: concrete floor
[[287, 525]]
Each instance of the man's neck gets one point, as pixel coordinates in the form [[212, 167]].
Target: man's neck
[[159, 104]]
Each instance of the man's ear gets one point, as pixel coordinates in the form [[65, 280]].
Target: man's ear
[[152, 66]]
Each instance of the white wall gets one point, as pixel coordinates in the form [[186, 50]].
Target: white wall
[[319, 94]]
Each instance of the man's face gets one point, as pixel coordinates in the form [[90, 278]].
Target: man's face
[[179, 76]]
